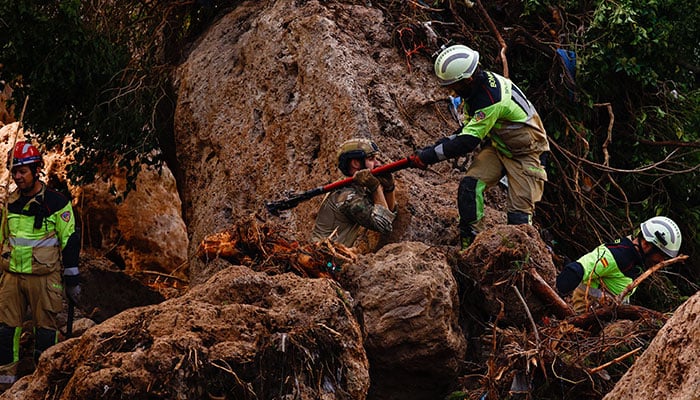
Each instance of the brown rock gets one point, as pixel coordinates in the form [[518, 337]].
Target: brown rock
[[406, 298], [668, 368], [273, 88]]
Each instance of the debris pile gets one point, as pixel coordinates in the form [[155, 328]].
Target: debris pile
[[240, 335], [260, 246], [531, 343]]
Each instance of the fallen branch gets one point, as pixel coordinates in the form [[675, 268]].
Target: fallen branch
[[646, 274], [164, 275], [529, 316], [496, 33], [609, 313], [561, 309], [615, 361], [608, 139]]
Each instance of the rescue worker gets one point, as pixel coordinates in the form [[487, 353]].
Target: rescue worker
[[501, 120], [368, 202], [39, 258], [611, 267]]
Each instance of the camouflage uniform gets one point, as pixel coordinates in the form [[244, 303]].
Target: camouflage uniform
[[347, 209]]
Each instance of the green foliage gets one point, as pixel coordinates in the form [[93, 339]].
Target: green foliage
[[99, 71], [626, 140], [65, 69], [637, 42]]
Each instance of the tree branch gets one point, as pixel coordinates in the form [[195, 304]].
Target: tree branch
[[496, 33], [646, 274]]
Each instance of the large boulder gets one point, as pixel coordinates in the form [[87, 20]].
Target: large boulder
[[668, 368], [406, 298], [270, 91]]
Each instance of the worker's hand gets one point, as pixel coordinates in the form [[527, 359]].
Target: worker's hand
[[415, 161], [365, 178], [71, 281], [73, 293], [387, 182]]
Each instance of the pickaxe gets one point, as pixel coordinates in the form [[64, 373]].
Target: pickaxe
[[274, 207]]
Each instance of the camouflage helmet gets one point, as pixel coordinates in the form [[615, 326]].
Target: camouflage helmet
[[354, 149]]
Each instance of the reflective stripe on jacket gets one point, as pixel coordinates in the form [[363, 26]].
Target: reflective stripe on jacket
[[36, 232]]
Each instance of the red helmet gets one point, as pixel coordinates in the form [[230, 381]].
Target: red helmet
[[24, 153]]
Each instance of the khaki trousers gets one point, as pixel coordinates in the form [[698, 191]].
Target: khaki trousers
[[42, 293], [525, 174]]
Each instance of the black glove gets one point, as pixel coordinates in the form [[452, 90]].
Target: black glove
[[387, 182], [73, 293], [365, 178], [72, 285]]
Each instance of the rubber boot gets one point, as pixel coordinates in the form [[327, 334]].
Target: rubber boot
[[519, 218], [8, 365], [45, 338], [466, 239], [8, 375]]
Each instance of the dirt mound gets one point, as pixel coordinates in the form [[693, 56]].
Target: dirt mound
[[241, 334], [503, 263]]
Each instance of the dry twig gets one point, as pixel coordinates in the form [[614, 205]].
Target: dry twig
[[615, 361]]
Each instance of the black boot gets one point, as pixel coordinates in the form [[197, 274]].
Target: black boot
[[519, 218]]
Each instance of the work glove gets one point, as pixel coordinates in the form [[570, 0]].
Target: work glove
[[72, 285], [387, 182], [414, 161], [73, 293], [365, 178]]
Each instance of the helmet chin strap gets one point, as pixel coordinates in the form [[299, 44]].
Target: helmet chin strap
[[640, 248], [30, 189]]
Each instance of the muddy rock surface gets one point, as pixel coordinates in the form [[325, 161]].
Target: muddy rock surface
[[406, 297], [268, 94], [669, 368], [240, 332]]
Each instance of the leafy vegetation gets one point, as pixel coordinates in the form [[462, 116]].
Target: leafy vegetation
[[99, 70]]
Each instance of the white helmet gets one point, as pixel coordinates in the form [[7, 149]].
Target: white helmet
[[663, 233], [455, 63]]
